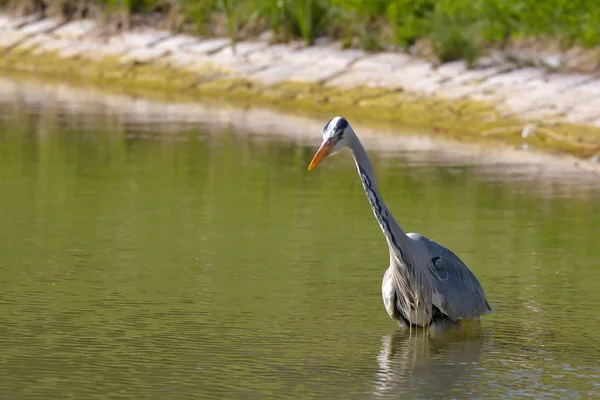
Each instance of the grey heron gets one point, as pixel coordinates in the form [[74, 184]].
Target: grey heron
[[426, 285]]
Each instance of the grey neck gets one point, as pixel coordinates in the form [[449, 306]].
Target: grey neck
[[396, 238]]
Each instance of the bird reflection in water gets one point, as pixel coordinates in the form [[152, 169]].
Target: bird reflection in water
[[429, 363]]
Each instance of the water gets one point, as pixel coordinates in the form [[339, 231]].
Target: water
[[143, 260]]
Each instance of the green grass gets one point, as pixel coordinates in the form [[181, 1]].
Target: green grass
[[453, 29]]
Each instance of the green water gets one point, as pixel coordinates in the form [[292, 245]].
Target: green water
[[140, 265]]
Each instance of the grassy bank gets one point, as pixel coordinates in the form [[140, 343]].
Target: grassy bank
[[446, 29]]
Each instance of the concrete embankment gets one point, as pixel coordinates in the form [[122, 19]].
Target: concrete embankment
[[500, 103]]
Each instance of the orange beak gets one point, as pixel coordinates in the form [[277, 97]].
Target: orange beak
[[323, 151]]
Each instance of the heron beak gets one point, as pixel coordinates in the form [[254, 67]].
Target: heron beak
[[323, 151]]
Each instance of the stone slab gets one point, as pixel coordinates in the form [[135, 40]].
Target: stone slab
[[383, 62], [98, 51], [181, 59], [207, 46], [315, 73], [246, 70], [143, 55], [552, 102], [434, 78], [42, 26], [112, 50], [275, 74], [585, 112], [516, 77], [32, 42], [451, 69], [541, 92], [341, 59], [174, 42], [541, 112], [428, 85], [387, 70], [414, 76], [272, 55], [52, 45], [354, 78], [243, 49], [459, 86], [75, 49], [571, 98], [75, 29], [308, 55], [19, 22], [5, 22], [227, 57], [137, 39], [497, 87], [11, 38]]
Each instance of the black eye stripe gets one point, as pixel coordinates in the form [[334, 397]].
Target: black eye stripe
[[341, 124]]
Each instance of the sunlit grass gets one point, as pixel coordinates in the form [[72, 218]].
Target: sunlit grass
[[453, 29]]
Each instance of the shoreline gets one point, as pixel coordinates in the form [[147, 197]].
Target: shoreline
[[501, 106], [261, 122]]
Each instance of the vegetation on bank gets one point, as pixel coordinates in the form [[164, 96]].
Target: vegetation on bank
[[451, 29]]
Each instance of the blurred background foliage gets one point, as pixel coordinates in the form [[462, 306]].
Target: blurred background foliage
[[452, 29]]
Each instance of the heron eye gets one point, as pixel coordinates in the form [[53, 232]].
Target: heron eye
[[341, 134]]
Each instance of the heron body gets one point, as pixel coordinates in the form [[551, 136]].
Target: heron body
[[426, 284]]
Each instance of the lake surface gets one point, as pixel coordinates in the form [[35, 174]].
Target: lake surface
[[177, 261]]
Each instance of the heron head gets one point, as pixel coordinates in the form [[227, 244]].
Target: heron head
[[336, 134]]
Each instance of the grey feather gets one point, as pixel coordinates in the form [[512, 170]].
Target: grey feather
[[457, 292]]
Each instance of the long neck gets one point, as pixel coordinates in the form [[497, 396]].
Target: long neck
[[395, 236]]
